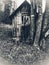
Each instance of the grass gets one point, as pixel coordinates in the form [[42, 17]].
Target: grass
[[19, 52]]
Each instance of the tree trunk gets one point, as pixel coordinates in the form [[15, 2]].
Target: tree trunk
[[38, 31]]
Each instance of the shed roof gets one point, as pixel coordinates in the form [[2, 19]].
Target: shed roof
[[19, 8]]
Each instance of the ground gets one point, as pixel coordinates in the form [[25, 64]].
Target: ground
[[22, 53]]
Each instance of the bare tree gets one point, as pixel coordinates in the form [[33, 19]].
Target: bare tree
[[39, 21]]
